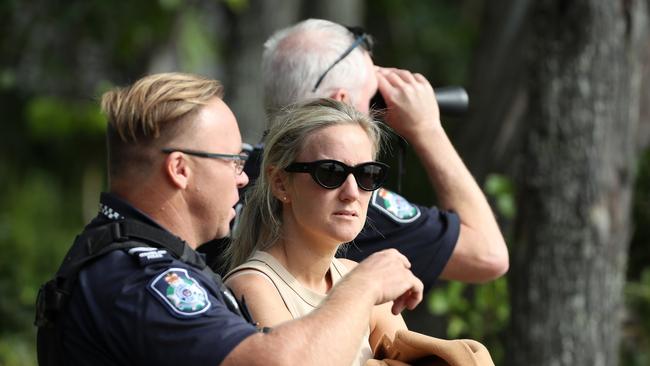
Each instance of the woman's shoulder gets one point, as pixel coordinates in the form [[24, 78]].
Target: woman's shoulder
[[344, 265], [348, 263], [251, 276], [261, 295]]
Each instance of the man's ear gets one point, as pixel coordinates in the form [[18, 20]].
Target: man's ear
[[278, 180], [177, 169], [342, 95]]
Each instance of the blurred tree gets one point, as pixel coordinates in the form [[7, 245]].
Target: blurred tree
[[492, 137], [250, 25], [573, 229], [54, 61]]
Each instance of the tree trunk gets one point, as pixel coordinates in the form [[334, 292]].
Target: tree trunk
[[346, 12], [250, 28], [568, 264], [494, 130]]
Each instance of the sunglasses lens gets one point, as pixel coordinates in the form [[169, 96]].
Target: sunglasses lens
[[330, 174], [370, 176]]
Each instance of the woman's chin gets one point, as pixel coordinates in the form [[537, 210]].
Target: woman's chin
[[346, 237]]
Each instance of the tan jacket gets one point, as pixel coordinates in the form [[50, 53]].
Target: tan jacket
[[410, 347]]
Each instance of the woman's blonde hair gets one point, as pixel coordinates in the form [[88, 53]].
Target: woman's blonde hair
[[261, 219]]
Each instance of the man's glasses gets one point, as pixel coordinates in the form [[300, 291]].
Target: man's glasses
[[360, 38], [238, 159], [331, 174]]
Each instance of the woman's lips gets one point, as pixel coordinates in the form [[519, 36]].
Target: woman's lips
[[346, 213]]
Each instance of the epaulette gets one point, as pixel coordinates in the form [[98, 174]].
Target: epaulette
[[149, 255]]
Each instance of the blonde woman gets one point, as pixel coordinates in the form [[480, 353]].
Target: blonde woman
[[317, 178]]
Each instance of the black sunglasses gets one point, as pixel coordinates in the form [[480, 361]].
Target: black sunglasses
[[361, 38], [331, 174]]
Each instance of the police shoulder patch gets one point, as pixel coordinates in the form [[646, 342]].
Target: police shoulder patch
[[180, 293], [395, 206]]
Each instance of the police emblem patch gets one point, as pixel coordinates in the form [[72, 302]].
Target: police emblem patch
[[395, 206], [180, 292]]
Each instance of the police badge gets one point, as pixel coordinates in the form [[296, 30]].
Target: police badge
[[180, 292], [394, 206]]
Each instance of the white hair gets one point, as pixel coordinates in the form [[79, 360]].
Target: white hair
[[295, 57]]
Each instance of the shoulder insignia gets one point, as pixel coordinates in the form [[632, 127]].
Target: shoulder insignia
[[149, 255], [182, 294], [395, 206]]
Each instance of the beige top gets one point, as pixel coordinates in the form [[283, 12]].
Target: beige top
[[298, 299]]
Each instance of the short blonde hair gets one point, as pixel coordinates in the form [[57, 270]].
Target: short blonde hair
[[261, 219], [150, 111]]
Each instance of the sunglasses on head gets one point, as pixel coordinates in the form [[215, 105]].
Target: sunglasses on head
[[361, 38], [331, 174]]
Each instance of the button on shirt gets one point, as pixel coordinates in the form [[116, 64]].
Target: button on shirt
[[144, 307]]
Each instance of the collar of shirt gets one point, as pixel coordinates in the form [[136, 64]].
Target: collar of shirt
[[113, 208]]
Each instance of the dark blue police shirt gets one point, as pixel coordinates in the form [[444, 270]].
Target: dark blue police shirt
[[144, 307], [427, 236]]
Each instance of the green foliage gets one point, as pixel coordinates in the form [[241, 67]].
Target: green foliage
[[434, 38], [635, 346], [237, 6], [170, 4], [37, 224], [501, 190], [480, 312], [51, 118], [196, 46], [7, 79], [17, 351], [635, 350]]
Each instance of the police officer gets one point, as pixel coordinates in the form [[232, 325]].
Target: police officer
[[461, 241], [133, 290]]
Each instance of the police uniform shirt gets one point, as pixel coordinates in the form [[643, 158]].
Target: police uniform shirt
[[427, 236], [142, 306]]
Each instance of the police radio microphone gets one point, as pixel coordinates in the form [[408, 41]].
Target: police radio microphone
[[452, 100]]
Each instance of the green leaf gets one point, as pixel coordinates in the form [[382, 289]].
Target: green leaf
[[237, 6], [58, 118], [456, 327], [437, 303], [197, 49]]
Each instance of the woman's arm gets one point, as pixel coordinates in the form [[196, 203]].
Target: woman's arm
[[382, 320], [262, 298]]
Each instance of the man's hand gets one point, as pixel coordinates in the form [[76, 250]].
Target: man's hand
[[387, 274], [480, 253], [411, 102]]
